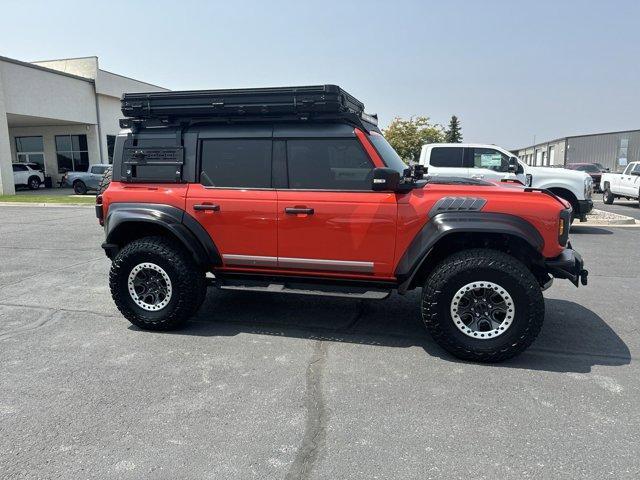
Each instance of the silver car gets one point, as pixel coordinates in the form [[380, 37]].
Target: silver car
[[82, 182]]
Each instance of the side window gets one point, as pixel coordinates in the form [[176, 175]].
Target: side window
[[328, 164], [19, 168], [627, 171], [446, 157], [238, 163], [491, 159], [636, 168], [98, 169]]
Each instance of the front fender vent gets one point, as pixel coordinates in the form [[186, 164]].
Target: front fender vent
[[457, 204]]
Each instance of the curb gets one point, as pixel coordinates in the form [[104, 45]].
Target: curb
[[44, 204], [615, 220]]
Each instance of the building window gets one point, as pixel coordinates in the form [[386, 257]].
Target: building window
[[30, 150], [72, 153], [111, 142]]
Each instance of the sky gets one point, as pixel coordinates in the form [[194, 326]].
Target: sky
[[511, 71]]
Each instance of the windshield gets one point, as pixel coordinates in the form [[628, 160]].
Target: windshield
[[386, 151]]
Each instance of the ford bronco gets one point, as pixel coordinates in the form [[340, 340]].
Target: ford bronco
[[295, 190]]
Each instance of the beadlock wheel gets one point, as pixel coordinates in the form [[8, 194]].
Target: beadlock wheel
[[482, 310], [149, 286]]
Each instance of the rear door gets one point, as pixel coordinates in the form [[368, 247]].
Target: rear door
[[447, 162], [625, 181], [20, 174], [329, 219], [233, 198]]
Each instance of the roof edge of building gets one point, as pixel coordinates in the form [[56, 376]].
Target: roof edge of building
[[45, 69], [615, 132]]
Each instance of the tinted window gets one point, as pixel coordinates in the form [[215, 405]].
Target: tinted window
[[627, 171], [19, 168], [636, 169], [491, 159], [98, 169], [446, 157], [388, 154], [236, 163], [331, 164], [29, 144]]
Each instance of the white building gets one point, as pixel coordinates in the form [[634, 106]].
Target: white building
[[62, 114]]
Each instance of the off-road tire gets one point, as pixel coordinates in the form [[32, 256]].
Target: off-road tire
[[105, 180], [79, 187], [607, 196], [479, 265], [187, 279]]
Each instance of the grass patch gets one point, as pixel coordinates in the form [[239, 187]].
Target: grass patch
[[84, 199]]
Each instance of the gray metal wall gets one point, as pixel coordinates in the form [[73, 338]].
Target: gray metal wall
[[604, 149]]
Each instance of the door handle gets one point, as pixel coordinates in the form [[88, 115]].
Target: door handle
[[298, 210], [207, 207], [477, 176]]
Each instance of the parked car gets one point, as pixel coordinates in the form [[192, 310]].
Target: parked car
[[295, 190], [489, 162], [82, 182], [28, 174], [592, 169], [621, 185]]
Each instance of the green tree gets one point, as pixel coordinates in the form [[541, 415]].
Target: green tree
[[408, 136], [454, 132]]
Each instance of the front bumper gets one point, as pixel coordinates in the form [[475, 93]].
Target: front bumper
[[584, 207], [569, 265]]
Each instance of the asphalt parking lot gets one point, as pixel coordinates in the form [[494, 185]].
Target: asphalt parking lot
[[267, 386]]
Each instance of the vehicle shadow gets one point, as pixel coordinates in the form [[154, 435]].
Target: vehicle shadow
[[573, 339], [579, 230]]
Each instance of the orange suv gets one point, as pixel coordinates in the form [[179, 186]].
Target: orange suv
[[295, 190]]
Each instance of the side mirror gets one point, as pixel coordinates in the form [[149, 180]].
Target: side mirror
[[513, 165], [385, 180]]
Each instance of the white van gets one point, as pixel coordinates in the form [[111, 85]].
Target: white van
[[492, 163]]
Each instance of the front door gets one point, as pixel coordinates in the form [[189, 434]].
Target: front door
[[487, 164], [329, 219], [235, 201]]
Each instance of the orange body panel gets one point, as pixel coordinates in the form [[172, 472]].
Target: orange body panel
[[246, 223], [358, 226]]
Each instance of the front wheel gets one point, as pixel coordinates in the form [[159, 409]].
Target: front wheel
[[155, 284], [607, 197], [482, 305]]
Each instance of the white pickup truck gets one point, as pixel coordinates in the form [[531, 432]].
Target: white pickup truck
[[621, 185], [492, 163]]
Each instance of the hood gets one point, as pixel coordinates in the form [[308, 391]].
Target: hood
[[549, 172]]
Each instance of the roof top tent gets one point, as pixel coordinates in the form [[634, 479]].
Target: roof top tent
[[286, 104]]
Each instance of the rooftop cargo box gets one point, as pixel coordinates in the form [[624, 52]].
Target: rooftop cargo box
[[247, 102]]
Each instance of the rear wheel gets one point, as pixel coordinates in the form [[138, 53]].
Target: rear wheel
[[607, 196], [79, 187], [482, 305], [33, 183], [155, 284]]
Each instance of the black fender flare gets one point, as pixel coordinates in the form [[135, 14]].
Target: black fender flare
[[447, 223], [177, 222]]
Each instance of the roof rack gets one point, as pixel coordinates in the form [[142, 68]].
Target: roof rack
[[320, 103]]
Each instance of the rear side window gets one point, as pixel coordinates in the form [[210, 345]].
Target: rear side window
[[446, 157], [19, 168], [98, 170], [328, 164], [238, 163]]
